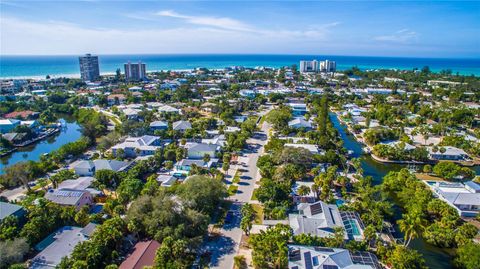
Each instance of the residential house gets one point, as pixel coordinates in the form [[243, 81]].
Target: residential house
[[310, 147], [23, 115], [60, 244], [158, 125], [321, 219], [181, 126], [199, 150], [298, 123], [166, 180], [88, 168], [183, 167], [465, 198], [143, 255], [8, 209], [7, 125], [116, 99], [168, 109], [138, 146], [131, 113], [310, 257], [70, 197], [448, 153], [298, 109]]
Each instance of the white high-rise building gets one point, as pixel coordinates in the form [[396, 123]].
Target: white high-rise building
[[328, 66], [317, 66], [135, 71], [309, 66]]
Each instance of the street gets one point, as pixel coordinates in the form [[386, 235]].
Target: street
[[226, 246]]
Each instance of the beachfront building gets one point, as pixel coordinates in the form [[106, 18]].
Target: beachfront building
[[89, 68], [465, 198], [321, 219], [309, 257], [318, 66], [135, 71], [309, 66]]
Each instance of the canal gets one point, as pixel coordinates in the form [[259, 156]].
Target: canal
[[434, 257], [70, 133]]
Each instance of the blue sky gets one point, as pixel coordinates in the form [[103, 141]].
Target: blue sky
[[416, 29]]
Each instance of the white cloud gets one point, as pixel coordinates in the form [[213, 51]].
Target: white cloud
[[210, 35], [55, 37], [219, 22], [401, 36]]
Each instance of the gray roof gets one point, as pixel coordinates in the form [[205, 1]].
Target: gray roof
[[89, 229], [113, 165], [181, 125], [65, 196], [84, 165], [202, 147], [315, 217], [80, 183], [64, 240], [467, 199], [159, 124], [7, 209]]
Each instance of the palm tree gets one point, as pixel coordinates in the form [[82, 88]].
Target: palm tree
[[412, 225], [303, 190]]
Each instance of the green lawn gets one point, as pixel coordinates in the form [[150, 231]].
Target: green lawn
[[258, 213], [254, 195], [232, 189], [236, 178]]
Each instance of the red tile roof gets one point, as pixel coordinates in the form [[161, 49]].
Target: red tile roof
[[22, 114], [142, 255]]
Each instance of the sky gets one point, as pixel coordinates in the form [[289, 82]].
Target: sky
[[446, 29]]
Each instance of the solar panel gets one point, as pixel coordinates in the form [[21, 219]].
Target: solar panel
[[326, 266], [316, 208], [324, 249], [308, 260]]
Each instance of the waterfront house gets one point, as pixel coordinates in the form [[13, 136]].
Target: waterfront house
[[310, 257], [181, 126], [321, 219], [143, 255], [70, 197], [199, 150], [60, 244], [8, 209], [138, 146], [448, 153], [22, 115], [465, 198], [7, 125]]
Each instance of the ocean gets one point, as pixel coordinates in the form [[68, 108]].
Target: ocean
[[67, 65]]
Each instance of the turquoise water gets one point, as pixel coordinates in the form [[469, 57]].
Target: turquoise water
[[70, 133], [355, 230], [434, 257], [40, 66]]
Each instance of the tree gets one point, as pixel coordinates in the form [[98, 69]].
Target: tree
[[206, 158], [61, 176], [468, 256], [9, 228], [108, 178], [427, 168], [205, 193], [173, 254], [412, 224], [128, 190], [12, 251], [270, 247], [279, 118], [447, 170], [248, 215], [19, 173], [402, 257], [82, 217], [303, 190]]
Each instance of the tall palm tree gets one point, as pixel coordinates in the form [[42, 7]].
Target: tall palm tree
[[412, 224]]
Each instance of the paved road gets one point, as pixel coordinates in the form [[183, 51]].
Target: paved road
[[225, 247]]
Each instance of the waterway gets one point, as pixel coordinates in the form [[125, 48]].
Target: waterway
[[70, 133], [434, 257]]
